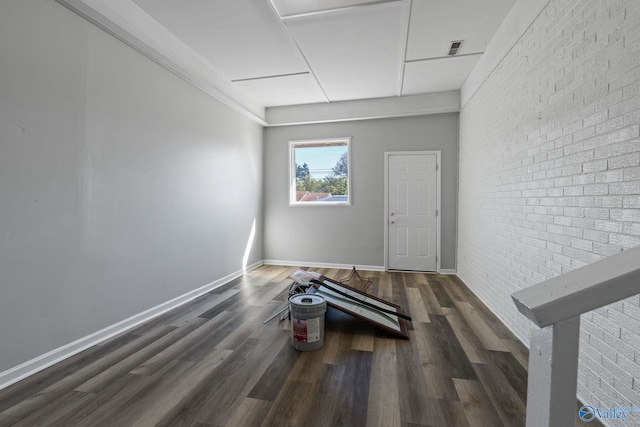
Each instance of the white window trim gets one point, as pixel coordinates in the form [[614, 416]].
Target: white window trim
[[292, 171]]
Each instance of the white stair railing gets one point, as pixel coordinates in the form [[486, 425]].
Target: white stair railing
[[555, 307]]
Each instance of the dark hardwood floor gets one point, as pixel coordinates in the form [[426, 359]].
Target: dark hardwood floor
[[213, 362]]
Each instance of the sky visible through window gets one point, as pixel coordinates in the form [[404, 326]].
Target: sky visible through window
[[319, 159]]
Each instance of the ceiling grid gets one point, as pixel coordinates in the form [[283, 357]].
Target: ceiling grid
[[284, 53]]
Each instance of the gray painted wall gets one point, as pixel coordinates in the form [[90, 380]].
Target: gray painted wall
[[355, 234], [121, 185]]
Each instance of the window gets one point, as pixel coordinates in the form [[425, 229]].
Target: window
[[319, 172]]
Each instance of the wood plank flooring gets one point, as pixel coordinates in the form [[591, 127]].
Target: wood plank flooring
[[213, 362]]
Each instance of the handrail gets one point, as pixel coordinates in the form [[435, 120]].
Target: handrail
[[555, 307], [582, 290]]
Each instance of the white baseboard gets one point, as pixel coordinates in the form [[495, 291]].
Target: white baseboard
[[449, 271], [338, 266], [39, 363], [323, 265]]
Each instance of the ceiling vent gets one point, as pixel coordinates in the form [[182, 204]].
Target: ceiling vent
[[455, 47]]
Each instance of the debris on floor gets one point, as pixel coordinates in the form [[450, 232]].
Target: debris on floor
[[348, 299]]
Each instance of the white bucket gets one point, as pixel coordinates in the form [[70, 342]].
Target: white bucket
[[307, 321]]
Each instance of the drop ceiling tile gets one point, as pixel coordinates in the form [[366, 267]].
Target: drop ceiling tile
[[437, 75], [296, 7], [435, 24], [355, 53], [240, 38], [283, 90]]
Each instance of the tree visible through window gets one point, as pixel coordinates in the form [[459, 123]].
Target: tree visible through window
[[320, 172]]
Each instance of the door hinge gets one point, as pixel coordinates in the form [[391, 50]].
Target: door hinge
[[437, 212]]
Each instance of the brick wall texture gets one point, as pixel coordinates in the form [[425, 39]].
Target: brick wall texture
[[550, 177]]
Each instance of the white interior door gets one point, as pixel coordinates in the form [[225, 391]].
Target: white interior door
[[412, 211]]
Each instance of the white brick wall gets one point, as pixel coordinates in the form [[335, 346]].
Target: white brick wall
[[550, 177]]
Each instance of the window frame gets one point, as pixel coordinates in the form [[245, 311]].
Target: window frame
[[292, 169]]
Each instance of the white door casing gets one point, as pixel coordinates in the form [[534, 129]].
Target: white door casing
[[412, 205]]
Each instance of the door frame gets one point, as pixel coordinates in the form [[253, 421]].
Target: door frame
[[387, 154]]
